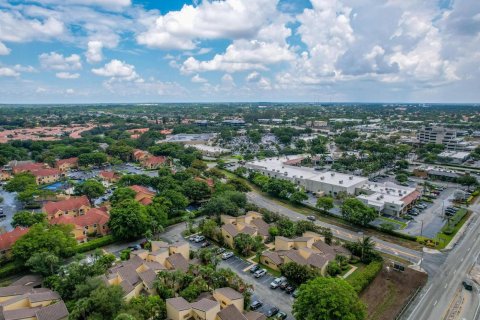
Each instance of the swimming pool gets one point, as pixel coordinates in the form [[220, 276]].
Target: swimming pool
[[55, 186]]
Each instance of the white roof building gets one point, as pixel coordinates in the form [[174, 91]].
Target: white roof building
[[314, 181]]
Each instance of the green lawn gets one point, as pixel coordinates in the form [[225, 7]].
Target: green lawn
[[401, 225], [444, 239]]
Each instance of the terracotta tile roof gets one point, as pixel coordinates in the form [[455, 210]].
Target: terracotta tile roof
[[73, 203], [230, 293], [142, 189], [155, 160], [231, 313], [73, 160], [93, 216], [178, 304], [46, 172], [9, 238], [178, 262], [204, 304], [411, 197], [28, 167], [56, 311], [109, 175], [146, 201]]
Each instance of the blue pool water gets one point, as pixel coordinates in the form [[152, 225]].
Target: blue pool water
[[55, 186]]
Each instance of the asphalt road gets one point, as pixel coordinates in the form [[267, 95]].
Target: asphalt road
[[437, 296], [339, 232]]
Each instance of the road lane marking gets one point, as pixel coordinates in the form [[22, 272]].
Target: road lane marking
[[435, 303]]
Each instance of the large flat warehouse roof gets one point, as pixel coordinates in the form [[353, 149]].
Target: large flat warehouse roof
[[329, 177]]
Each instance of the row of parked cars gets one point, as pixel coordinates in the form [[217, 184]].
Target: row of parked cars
[[417, 209], [450, 211]]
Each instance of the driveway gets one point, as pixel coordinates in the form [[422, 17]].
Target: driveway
[[261, 286], [262, 292], [432, 217], [10, 206]]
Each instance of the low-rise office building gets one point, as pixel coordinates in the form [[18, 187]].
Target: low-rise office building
[[331, 183]]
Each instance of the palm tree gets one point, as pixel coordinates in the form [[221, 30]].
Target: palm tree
[[367, 245]]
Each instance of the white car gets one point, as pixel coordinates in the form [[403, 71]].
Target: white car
[[227, 255], [276, 283], [199, 239], [260, 273]]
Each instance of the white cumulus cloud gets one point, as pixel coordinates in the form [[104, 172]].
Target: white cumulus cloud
[[118, 70], [67, 75], [94, 52], [56, 61]]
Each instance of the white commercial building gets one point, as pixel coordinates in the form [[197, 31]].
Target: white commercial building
[[209, 151], [329, 182], [388, 197]]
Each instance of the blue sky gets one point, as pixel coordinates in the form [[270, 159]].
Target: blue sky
[[71, 51]]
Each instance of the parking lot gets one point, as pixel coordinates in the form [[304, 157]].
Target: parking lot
[[262, 292], [432, 217], [10, 206]]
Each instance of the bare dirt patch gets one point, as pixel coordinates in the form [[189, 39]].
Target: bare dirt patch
[[390, 291]]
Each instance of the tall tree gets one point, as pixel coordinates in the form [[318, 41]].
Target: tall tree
[[90, 188], [128, 220], [328, 299]]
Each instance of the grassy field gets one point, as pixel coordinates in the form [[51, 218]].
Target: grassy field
[[401, 225]]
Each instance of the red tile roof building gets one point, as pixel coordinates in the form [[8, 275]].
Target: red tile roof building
[[73, 206], [43, 176], [154, 162], [143, 194], [65, 164], [109, 176], [94, 221], [8, 239], [28, 167]]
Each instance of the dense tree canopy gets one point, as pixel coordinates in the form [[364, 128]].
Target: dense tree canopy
[[328, 299], [356, 211]]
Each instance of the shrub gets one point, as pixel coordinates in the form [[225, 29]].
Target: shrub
[[10, 269], [95, 243], [361, 279]]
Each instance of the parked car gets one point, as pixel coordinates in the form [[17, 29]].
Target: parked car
[[311, 218], [135, 247], [206, 244], [467, 285], [220, 250], [281, 316], [272, 311], [227, 255], [289, 289], [284, 285], [277, 282], [295, 293], [192, 238], [256, 304], [254, 268], [199, 239], [260, 273]]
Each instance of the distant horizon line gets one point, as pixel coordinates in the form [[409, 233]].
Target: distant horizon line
[[236, 102]]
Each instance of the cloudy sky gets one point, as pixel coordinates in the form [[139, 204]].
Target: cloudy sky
[[239, 50]]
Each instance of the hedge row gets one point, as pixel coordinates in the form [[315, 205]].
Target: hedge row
[[94, 244], [449, 228], [11, 269], [359, 280]]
